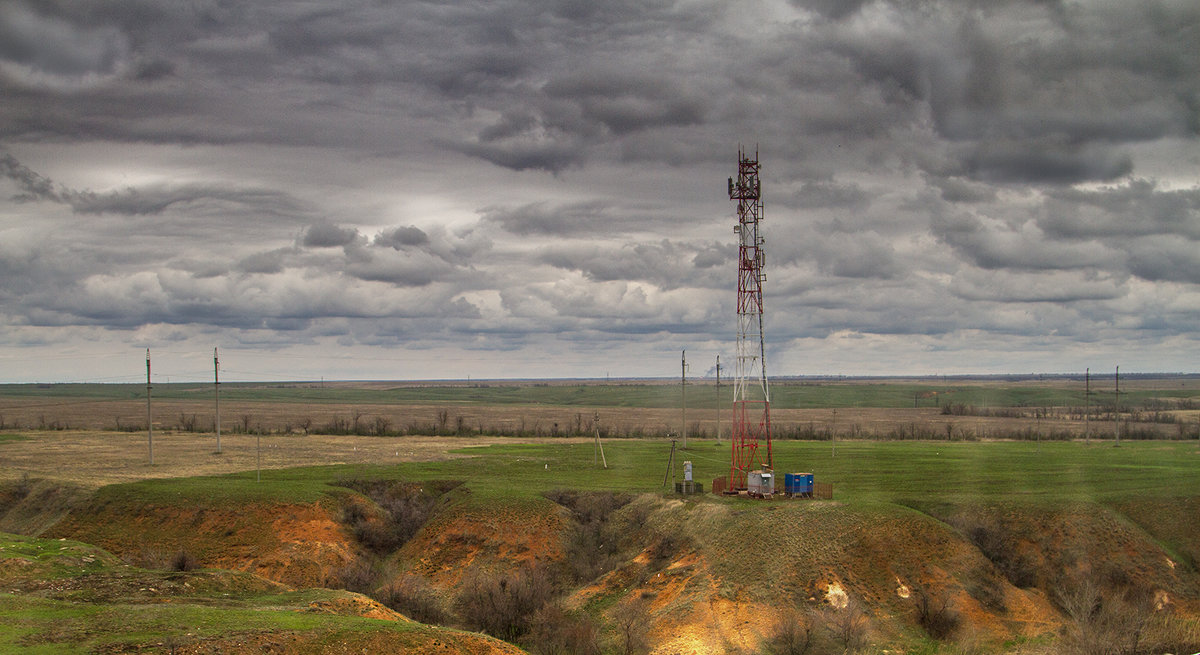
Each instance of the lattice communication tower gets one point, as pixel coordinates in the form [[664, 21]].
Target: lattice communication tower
[[751, 397]]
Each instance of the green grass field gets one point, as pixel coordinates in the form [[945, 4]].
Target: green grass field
[[861, 472]]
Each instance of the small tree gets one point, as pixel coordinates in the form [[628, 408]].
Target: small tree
[[632, 619]]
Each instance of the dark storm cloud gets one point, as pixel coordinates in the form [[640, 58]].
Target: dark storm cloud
[[666, 264], [995, 244], [1137, 208], [408, 235], [41, 48], [325, 235], [151, 199], [571, 219], [494, 175], [827, 194], [624, 102]]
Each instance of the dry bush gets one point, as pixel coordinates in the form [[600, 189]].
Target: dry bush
[[987, 589], [594, 541], [405, 508], [1001, 546], [935, 615], [558, 632], [1116, 624], [412, 596], [796, 633], [359, 575], [183, 561], [847, 626], [632, 620], [503, 605]]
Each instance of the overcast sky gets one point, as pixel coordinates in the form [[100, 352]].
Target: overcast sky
[[511, 188]]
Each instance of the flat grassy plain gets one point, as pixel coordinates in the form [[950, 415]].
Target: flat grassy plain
[[964, 408]]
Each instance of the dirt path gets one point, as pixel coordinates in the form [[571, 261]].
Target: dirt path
[[94, 459]]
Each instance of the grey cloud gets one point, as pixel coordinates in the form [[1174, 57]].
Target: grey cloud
[[827, 194], [325, 235], [1163, 259], [624, 102], [33, 186], [580, 218], [527, 151], [861, 255], [402, 236], [137, 201], [1049, 162], [1060, 287], [401, 269], [995, 245], [959, 190], [47, 49], [666, 264], [1136, 208], [269, 262]]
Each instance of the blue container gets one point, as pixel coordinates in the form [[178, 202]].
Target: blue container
[[798, 483]]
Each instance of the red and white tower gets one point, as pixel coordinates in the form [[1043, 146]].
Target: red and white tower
[[751, 397]]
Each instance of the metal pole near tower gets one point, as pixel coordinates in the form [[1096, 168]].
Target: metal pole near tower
[[751, 396]]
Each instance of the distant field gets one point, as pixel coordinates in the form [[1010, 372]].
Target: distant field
[[786, 394], [954, 408]]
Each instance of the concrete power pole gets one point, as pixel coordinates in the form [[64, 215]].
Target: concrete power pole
[[1117, 404], [718, 400], [683, 395], [217, 396], [149, 414]]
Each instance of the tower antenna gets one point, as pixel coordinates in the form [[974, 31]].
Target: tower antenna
[[751, 395]]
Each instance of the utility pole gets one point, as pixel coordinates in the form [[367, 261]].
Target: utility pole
[[1087, 407], [149, 415], [683, 395], [670, 463], [833, 434], [217, 396], [718, 400], [599, 446], [1117, 404]]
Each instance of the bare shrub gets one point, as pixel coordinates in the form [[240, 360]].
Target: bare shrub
[[632, 620], [413, 596], [987, 589], [795, 633], [594, 541], [558, 632], [183, 561], [148, 558], [503, 605], [187, 423], [847, 626], [935, 615], [405, 507], [1001, 546], [1104, 625], [359, 575]]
